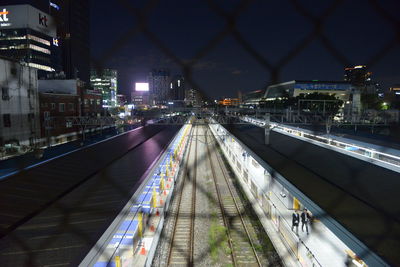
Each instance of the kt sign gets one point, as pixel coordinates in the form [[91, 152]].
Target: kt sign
[[3, 15]]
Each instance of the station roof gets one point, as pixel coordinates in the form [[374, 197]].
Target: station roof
[[360, 196]]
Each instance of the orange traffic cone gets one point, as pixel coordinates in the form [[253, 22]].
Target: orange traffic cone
[[152, 227], [168, 185], [161, 202], [165, 192], [143, 250], [157, 212]]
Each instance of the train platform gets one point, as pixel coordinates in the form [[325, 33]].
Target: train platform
[[13, 165], [132, 237], [52, 214], [300, 175]]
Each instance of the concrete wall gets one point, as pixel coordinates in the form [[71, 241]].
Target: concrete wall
[[19, 99]]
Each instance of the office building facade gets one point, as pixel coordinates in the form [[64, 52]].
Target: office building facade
[[71, 43], [73, 33], [193, 98], [159, 85], [177, 88], [105, 81], [28, 35], [361, 79], [341, 90]]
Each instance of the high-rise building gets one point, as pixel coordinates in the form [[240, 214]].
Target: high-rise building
[[43, 5], [121, 100], [27, 35], [73, 32], [357, 75], [105, 81], [70, 43], [140, 95], [177, 88], [159, 85], [193, 98], [361, 79]]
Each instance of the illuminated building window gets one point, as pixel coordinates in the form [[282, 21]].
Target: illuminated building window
[[22, 46], [179, 83], [40, 49], [40, 67], [38, 39], [13, 38]]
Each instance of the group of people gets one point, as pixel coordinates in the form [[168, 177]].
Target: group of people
[[305, 220]]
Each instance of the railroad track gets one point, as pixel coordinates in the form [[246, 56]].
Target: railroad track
[[78, 194], [239, 231], [182, 242]]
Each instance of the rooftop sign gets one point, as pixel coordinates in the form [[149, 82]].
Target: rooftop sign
[[26, 16]]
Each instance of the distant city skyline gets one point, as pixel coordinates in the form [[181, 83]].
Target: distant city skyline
[[356, 33]]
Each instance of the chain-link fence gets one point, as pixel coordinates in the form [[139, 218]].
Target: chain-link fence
[[42, 196]]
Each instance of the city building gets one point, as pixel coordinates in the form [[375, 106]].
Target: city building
[[42, 5], [73, 36], [229, 102], [193, 98], [140, 98], [121, 100], [342, 90], [177, 89], [395, 89], [105, 81], [91, 103], [70, 52], [27, 35], [392, 97], [140, 95], [159, 85], [252, 98], [361, 78], [58, 99], [19, 105], [357, 75]]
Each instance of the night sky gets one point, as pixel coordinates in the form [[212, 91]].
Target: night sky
[[355, 29]]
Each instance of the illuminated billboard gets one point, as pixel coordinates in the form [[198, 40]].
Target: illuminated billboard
[[26, 16], [143, 87]]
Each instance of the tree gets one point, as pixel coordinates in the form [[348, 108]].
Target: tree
[[318, 103], [371, 101]]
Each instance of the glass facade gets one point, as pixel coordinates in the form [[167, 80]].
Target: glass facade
[[106, 83], [29, 46]]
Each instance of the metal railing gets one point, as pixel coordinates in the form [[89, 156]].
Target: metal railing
[[388, 160]]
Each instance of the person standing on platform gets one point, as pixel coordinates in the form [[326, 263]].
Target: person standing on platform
[[295, 221], [305, 219]]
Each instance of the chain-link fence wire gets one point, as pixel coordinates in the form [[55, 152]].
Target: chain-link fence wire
[[140, 27]]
